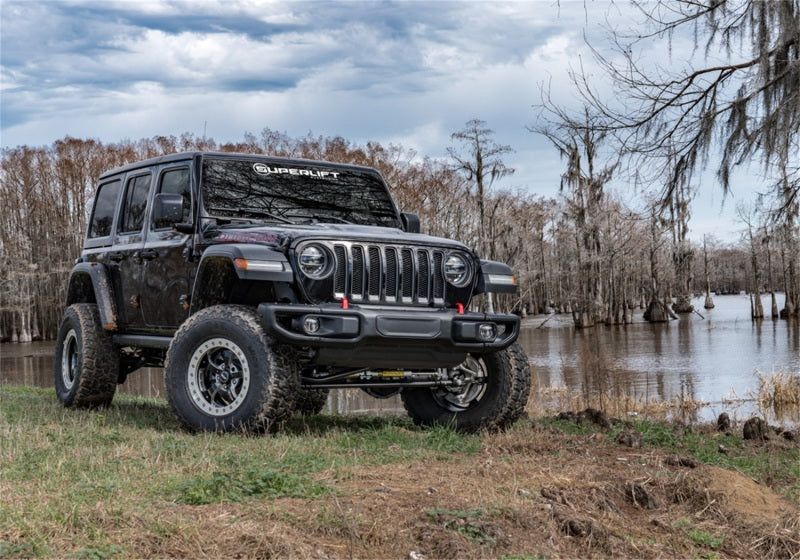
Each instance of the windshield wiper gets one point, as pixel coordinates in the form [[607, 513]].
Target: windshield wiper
[[321, 218], [249, 210]]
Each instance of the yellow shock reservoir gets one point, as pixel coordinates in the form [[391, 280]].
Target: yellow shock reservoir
[[392, 373]]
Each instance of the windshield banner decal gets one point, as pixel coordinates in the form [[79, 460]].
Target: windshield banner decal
[[264, 169]]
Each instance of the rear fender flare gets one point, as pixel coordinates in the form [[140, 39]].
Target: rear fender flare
[[89, 282]]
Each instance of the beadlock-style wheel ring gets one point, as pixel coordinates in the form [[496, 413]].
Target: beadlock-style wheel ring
[[458, 398], [69, 359], [218, 377]]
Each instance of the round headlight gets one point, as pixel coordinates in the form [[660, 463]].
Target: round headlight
[[314, 262], [457, 270]]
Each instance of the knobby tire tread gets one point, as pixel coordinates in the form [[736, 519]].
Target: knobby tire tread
[[277, 392], [99, 367]]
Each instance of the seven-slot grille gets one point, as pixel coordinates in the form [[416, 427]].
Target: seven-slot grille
[[370, 273]]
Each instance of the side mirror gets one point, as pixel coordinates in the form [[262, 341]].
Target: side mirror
[[410, 222], [168, 210]]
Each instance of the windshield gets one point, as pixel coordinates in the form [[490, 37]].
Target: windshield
[[300, 192]]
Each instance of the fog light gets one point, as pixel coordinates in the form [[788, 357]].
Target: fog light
[[487, 332], [311, 325]]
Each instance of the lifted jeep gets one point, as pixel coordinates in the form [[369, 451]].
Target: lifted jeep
[[261, 283]]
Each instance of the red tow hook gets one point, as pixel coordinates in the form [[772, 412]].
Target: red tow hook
[[460, 307], [345, 303]]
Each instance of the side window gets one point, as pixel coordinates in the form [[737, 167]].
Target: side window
[[103, 214], [176, 181], [132, 218]]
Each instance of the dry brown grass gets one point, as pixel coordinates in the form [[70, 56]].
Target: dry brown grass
[[780, 394], [556, 399]]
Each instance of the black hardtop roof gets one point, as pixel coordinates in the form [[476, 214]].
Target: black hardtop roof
[[186, 156]]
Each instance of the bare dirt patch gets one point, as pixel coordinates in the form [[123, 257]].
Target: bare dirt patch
[[526, 494]]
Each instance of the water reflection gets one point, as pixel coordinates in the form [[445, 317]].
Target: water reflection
[[713, 359]]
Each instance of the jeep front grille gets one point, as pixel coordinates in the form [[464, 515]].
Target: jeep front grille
[[388, 274]]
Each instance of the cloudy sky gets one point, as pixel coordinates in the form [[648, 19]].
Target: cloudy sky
[[405, 72]]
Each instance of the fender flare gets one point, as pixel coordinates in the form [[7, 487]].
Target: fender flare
[[495, 277], [248, 261], [101, 292]]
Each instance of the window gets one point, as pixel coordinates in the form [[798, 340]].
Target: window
[[134, 204], [104, 205], [176, 181]]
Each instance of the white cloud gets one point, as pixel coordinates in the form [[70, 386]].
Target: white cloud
[[406, 72]]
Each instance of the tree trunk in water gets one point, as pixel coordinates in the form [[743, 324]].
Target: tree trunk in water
[[657, 311], [24, 332], [582, 319], [756, 308], [709, 303]]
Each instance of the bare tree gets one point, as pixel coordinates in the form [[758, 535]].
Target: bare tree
[[480, 160], [748, 215], [751, 101], [579, 142], [657, 311], [773, 301], [682, 254], [738, 98]]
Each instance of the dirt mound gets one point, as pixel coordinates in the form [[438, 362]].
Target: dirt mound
[[743, 495]]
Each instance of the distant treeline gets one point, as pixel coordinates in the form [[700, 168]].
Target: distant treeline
[[45, 195]]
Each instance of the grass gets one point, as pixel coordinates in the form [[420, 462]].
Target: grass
[[78, 469], [127, 481]]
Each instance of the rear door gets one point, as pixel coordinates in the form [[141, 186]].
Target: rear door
[[125, 260]]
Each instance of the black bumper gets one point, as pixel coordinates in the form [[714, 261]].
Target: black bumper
[[386, 337]]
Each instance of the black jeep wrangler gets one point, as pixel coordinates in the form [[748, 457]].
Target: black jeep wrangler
[[261, 283]]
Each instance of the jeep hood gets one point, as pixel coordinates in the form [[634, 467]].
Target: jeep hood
[[285, 236]]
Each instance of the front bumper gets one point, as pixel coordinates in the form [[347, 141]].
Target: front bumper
[[388, 337]]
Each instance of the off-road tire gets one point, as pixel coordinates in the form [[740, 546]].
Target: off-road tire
[[501, 403], [228, 340], [520, 388], [309, 401], [86, 365]]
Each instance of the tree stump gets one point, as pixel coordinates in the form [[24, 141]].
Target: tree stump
[[755, 429], [682, 304]]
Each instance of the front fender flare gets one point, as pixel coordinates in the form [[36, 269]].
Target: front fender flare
[[252, 262], [222, 265]]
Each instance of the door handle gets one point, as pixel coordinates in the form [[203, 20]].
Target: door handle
[[148, 254], [116, 256]]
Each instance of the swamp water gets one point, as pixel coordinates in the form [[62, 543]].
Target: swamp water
[[714, 360]]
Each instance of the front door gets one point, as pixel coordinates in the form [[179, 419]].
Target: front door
[[168, 265]]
